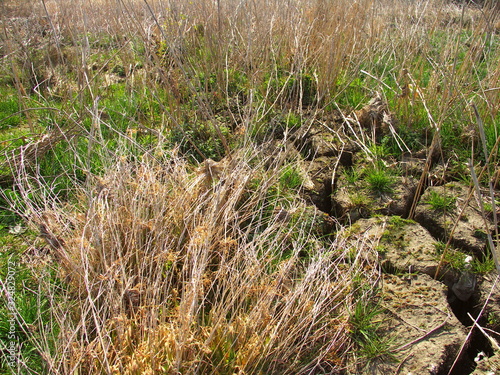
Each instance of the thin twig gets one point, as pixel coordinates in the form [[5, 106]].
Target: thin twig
[[420, 338], [396, 372], [492, 341]]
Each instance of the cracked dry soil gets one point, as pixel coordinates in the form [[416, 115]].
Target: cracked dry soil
[[425, 317]]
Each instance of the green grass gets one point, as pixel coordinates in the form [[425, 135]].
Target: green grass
[[28, 312], [399, 222], [352, 175], [485, 266], [454, 258], [291, 178], [353, 92], [9, 111], [379, 180], [441, 202], [365, 322]]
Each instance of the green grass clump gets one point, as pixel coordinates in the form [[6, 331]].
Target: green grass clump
[[379, 180], [365, 322], [352, 175], [441, 202], [399, 222], [291, 178], [484, 266], [454, 258]]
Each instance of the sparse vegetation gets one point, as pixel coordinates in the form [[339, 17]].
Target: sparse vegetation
[[359, 199], [155, 153]]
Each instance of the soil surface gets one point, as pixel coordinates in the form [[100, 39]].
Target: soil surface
[[428, 297]]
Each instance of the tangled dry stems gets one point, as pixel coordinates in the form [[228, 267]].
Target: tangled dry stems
[[169, 269], [174, 269]]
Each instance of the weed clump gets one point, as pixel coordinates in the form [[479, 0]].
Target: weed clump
[[380, 181], [181, 273], [441, 202]]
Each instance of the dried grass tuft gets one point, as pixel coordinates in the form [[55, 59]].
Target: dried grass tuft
[[172, 269]]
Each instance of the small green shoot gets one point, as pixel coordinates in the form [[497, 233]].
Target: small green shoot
[[483, 266], [290, 178], [493, 320], [441, 202], [380, 181], [365, 322]]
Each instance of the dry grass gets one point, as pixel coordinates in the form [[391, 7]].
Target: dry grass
[[173, 270], [328, 42], [170, 268]]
